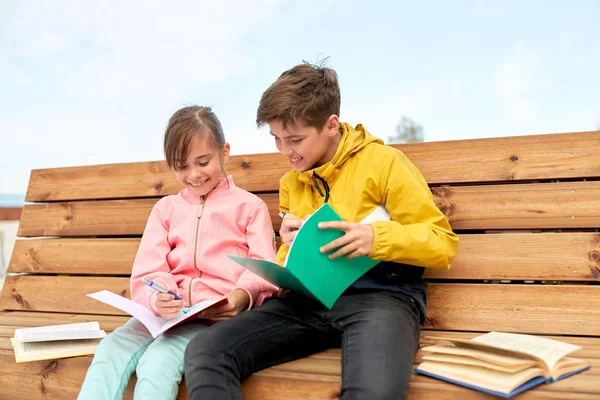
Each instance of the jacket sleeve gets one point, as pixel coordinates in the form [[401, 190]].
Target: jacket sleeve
[[261, 244], [418, 234], [151, 259], [284, 205]]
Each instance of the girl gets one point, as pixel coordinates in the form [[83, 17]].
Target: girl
[[184, 248]]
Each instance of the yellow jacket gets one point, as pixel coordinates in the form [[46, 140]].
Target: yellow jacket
[[363, 174]]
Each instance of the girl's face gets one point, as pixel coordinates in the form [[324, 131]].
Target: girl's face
[[202, 169]]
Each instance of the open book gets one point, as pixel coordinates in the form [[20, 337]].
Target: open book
[[502, 364], [56, 341], [155, 324], [306, 269]]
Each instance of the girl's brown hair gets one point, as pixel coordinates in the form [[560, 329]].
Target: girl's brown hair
[[189, 123]]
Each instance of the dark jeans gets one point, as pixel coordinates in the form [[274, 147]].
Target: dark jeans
[[378, 332]]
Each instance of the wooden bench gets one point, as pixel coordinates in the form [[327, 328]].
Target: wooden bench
[[527, 210]]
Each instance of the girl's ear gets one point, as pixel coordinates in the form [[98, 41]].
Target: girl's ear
[[225, 153]]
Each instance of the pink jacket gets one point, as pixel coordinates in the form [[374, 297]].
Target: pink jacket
[[187, 240]]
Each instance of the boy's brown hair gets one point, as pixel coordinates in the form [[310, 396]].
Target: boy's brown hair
[[305, 93]]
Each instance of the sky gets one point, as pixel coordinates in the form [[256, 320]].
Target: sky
[[86, 82]]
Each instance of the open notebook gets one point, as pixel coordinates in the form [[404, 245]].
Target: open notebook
[[155, 324], [502, 364], [307, 270]]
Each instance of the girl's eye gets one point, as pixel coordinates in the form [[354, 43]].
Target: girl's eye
[[203, 164], [182, 167]]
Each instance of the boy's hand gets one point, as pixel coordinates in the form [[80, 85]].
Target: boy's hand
[[289, 228], [167, 306], [358, 240], [237, 301]]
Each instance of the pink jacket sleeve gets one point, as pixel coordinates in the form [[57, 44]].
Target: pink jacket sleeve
[[261, 244], [151, 259]]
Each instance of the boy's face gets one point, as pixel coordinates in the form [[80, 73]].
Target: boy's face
[[305, 146]]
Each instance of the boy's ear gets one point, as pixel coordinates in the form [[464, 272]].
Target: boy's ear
[[332, 125], [225, 153]]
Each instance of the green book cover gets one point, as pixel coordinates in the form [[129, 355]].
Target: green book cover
[[306, 269]]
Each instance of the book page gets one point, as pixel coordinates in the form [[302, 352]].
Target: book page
[[466, 360], [141, 313], [51, 350], [548, 350], [29, 337], [489, 355], [481, 377], [22, 333], [153, 323]]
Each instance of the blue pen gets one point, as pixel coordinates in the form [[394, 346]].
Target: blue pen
[[158, 288]]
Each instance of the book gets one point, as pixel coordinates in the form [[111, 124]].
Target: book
[[56, 341], [308, 271], [155, 324], [499, 363]]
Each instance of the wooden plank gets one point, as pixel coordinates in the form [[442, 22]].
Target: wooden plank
[[543, 309], [315, 377], [112, 217], [539, 309], [10, 213], [108, 217], [523, 206], [74, 256], [568, 256], [26, 319], [66, 294], [535, 157]]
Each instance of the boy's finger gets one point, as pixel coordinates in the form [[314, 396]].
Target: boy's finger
[[342, 251], [339, 242], [343, 225]]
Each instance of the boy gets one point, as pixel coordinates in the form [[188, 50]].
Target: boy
[[377, 320]]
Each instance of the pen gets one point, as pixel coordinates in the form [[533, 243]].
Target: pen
[[282, 214], [158, 288]]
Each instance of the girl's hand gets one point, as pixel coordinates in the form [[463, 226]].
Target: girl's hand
[[237, 301], [167, 306], [358, 240], [289, 228]]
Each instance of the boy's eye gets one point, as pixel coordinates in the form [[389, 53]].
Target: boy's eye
[[295, 140]]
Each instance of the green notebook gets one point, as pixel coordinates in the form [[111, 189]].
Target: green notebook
[[306, 269]]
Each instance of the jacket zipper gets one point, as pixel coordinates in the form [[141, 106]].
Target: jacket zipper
[[198, 217]]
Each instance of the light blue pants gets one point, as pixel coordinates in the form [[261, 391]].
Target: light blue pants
[[158, 363]]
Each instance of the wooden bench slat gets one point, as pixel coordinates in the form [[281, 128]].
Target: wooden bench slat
[[541, 309], [74, 256], [524, 206], [575, 309], [26, 319], [317, 376], [535, 157], [60, 293], [567, 256], [61, 379]]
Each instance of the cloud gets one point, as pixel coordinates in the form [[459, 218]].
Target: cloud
[[516, 83], [101, 78]]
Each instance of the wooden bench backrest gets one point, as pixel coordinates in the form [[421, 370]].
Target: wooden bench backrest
[[527, 210]]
